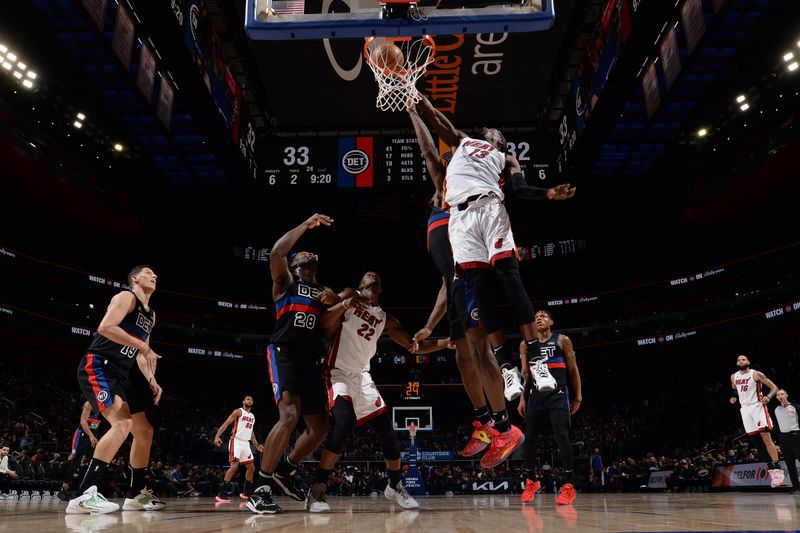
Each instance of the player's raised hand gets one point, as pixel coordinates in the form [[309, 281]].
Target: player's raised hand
[[561, 192], [328, 297], [424, 105], [411, 107], [357, 301], [318, 219], [422, 334]]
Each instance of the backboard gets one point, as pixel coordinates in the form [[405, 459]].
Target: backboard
[[287, 20], [422, 416]]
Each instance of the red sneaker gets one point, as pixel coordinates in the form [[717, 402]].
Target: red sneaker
[[531, 488], [567, 494], [479, 441], [503, 444]]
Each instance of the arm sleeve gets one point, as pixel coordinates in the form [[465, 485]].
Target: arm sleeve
[[525, 191]]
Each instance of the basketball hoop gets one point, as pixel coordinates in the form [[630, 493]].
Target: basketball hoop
[[412, 430], [397, 82]]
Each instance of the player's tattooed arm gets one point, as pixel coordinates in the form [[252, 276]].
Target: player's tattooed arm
[[278, 262], [572, 373], [438, 312], [773, 389], [231, 418], [444, 128]]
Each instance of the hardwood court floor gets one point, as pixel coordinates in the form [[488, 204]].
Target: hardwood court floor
[[463, 514]]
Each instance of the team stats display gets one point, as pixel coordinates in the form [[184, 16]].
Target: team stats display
[[371, 162]]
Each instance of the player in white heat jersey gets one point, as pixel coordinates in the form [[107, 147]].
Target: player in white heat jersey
[[483, 245], [746, 384], [354, 327], [239, 450]]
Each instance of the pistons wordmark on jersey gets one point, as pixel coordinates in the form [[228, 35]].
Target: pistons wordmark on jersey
[[553, 356], [138, 323], [296, 314]]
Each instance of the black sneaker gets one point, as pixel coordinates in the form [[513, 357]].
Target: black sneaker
[[289, 487], [63, 495], [261, 502]]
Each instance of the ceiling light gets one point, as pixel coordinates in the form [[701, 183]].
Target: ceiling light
[[702, 132], [7, 65], [12, 57], [740, 99], [745, 106], [81, 116], [21, 65], [118, 147], [27, 83], [792, 66], [788, 56], [18, 74], [78, 124], [31, 74], [4, 49]]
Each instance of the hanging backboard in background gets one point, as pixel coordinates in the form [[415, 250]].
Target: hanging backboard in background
[[287, 20], [421, 416]]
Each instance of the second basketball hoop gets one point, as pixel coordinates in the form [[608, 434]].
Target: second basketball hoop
[[397, 64]]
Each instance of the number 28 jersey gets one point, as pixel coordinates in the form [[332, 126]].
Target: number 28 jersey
[[474, 169], [297, 313], [357, 340]]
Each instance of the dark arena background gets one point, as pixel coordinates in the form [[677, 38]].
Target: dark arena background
[[189, 135]]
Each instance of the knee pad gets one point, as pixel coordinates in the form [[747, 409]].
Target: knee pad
[[383, 428], [344, 420], [508, 271]]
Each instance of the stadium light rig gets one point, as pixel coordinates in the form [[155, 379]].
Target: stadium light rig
[[17, 69]]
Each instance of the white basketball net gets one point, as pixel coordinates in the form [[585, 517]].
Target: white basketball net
[[396, 88], [412, 430]]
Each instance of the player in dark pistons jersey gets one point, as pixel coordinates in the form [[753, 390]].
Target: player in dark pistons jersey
[[117, 377], [295, 365], [91, 427], [554, 385]]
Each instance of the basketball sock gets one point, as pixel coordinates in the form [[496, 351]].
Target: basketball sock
[[772, 465], [94, 473], [501, 422], [137, 482], [530, 473], [394, 478], [286, 468], [225, 488], [504, 359], [483, 415], [322, 476], [263, 478]]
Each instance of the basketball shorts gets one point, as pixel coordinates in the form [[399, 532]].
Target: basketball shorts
[[100, 381], [547, 407], [360, 390], [297, 372], [755, 418], [481, 233], [239, 450]]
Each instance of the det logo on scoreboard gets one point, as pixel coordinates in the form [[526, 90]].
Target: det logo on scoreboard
[[355, 162]]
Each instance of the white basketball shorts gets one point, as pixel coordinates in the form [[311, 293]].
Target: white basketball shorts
[[359, 389], [481, 233], [755, 418]]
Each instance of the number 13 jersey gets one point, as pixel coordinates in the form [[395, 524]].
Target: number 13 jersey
[[475, 169], [357, 340]]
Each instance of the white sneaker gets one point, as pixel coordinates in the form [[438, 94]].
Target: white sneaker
[[144, 501], [91, 501], [542, 377], [777, 476], [400, 495], [513, 388], [316, 499]]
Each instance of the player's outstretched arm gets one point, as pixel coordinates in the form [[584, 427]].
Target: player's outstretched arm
[[231, 418], [278, 262], [773, 389], [444, 128], [438, 312], [573, 374], [524, 191], [399, 335], [428, 149]]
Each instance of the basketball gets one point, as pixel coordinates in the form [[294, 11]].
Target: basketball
[[388, 57]]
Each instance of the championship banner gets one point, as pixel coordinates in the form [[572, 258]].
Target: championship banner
[[670, 58], [97, 10], [146, 77], [658, 479], [746, 475], [694, 25], [652, 93], [165, 99], [122, 42]]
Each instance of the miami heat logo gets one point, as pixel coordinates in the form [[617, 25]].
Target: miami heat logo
[[378, 402], [102, 396]]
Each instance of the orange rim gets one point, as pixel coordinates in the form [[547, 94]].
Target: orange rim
[[427, 41]]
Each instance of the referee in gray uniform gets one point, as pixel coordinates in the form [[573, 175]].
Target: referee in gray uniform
[[787, 415]]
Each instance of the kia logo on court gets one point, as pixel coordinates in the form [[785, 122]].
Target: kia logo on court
[[355, 161]]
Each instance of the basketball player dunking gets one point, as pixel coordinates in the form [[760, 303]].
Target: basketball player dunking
[[239, 447], [481, 240], [90, 428], [120, 392], [295, 366], [746, 384], [354, 329], [551, 376]]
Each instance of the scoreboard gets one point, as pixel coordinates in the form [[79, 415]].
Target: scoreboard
[[374, 161]]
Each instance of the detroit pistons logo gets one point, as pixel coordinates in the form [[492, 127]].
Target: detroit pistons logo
[[355, 161], [275, 389], [102, 396], [474, 315]]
